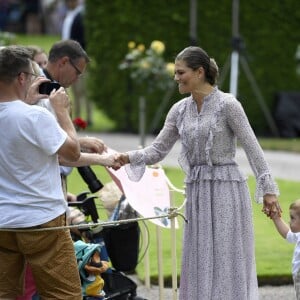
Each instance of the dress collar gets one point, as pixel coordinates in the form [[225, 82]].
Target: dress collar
[[211, 94]]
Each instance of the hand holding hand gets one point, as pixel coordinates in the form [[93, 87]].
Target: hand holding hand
[[116, 160], [122, 158], [108, 160], [271, 207]]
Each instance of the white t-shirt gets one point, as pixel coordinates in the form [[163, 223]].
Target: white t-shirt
[[64, 170], [294, 237], [30, 184]]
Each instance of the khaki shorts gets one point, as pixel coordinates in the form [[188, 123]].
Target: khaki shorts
[[52, 259]]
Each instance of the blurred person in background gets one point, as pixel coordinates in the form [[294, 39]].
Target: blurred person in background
[[54, 12], [32, 16], [4, 7], [73, 28]]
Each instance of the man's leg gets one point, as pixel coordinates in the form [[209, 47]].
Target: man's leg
[[53, 262], [12, 268]]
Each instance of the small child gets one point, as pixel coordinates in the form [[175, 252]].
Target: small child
[[292, 235]]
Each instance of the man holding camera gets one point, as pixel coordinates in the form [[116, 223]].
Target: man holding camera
[[30, 194], [66, 63]]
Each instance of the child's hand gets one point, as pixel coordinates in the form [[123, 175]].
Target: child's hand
[[271, 206], [272, 215], [275, 216]]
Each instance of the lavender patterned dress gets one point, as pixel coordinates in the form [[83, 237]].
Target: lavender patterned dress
[[218, 250]]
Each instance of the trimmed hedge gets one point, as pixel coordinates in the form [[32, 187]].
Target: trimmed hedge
[[269, 30]]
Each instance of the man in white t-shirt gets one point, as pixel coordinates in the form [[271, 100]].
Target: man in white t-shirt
[[30, 192]]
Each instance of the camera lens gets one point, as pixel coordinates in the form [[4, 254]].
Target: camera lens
[[90, 178]]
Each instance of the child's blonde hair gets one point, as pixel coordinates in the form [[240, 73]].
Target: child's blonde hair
[[296, 207]]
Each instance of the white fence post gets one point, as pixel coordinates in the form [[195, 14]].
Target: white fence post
[[146, 258], [160, 263]]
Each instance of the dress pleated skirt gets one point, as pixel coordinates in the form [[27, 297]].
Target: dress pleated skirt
[[218, 261]]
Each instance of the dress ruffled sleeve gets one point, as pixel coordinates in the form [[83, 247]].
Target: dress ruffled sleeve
[[157, 151], [239, 123], [137, 166], [265, 184]]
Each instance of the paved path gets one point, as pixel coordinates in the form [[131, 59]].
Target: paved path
[[284, 165]]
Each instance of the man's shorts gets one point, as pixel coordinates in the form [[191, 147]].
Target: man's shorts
[[52, 259]]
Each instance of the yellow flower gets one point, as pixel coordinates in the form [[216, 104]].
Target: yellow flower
[[147, 65], [144, 64], [141, 47], [131, 45], [170, 67], [158, 47]]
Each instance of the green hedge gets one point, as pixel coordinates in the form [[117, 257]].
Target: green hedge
[[269, 30]]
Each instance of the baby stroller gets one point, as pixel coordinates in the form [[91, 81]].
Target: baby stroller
[[117, 286]]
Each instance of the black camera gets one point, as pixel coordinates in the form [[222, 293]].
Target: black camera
[[48, 87], [90, 178]]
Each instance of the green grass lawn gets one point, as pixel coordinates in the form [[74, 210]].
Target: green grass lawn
[[43, 41], [280, 144], [273, 253]]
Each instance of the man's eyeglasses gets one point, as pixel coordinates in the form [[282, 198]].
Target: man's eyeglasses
[[78, 72]]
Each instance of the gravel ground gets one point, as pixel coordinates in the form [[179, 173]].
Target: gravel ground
[[285, 292]]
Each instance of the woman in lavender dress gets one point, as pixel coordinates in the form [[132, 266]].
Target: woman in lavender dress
[[218, 249]]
